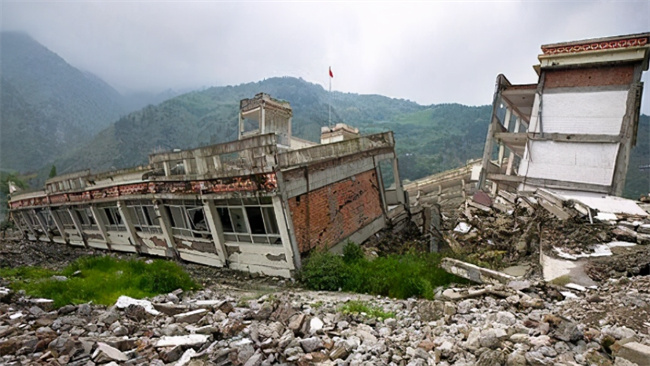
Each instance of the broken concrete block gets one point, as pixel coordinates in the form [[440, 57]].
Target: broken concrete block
[[170, 309], [635, 352], [191, 316], [124, 301], [624, 233], [475, 273], [105, 353], [191, 340]]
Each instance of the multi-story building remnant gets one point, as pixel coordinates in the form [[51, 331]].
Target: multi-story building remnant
[[257, 204], [573, 129]]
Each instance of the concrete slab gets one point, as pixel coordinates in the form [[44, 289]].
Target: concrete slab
[[517, 271], [635, 352]]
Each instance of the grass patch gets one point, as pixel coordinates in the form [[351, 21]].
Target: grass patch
[[100, 280], [358, 307], [399, 276]]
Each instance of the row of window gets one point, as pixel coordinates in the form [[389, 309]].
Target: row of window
[[247, 220]]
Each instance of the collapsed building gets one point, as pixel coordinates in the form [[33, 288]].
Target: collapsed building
[[257, 204], [572, 131], [546, 192]]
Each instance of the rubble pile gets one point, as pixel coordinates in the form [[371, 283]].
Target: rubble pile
[[519, 324], [510, 229]]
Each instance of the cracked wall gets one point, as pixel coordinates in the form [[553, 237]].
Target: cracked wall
[[326, 216]]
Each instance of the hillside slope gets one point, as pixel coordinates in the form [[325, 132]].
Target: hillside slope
[[46, 104]]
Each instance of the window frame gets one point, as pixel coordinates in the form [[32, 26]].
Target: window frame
[[143, 221], [244, 206], [182, 216], [114, 220], [86, 218]]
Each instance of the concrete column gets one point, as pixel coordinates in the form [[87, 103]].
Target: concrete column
[[166, 168], [44, 226], [506, 124], [166, 227], [101, 225], [262, 125], [398, 182], [214, 223], [511, 157], [59, 226], [28, 225], [77, 225], [283, 227], [128, 223]]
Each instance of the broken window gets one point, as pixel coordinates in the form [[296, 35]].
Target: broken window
[[64, 218], [188, 219], [32, 220], [113, 218], [249, 220], [86, 218], [144, 217], [19, 218], [47, 221], [387, 174]]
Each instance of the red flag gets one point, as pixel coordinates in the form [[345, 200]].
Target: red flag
[[331, 75]]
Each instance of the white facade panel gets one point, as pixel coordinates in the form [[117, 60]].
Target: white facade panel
[[597, 113], [591, 163]]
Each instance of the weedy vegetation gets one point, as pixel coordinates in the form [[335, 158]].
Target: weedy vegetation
[[100, 279], [399, 276], [362, 307]]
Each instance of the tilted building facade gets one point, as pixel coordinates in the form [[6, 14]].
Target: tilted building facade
[[573, 130], [259, 204]]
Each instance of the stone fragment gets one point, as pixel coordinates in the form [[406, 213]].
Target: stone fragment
[[135, 312], [255, 360], [315, 325], [171, 354], [170, 309], [124, 301], [311, 344], [190, 340], [190, 316], [295, 322], [567, 331], [105, 353], [491, 338], [635, 352]]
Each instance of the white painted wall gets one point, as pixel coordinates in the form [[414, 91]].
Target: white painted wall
[[572, 162], [598, 113]]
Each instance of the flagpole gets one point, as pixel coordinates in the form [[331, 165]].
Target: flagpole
[[329, 109]]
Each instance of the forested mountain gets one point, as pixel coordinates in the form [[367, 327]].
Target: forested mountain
[[51, 114], [429, 139], [211, 116], [48, 106]]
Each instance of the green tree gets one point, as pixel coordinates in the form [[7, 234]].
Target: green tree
[[52, 172]]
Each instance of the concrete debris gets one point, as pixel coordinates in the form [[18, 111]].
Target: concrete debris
[[546, 227], [125, 301], [522, 321]]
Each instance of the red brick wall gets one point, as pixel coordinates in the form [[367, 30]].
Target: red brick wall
[[591, 76], [324, 217]]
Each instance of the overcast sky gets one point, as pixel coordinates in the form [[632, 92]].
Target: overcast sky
[[428, 52]]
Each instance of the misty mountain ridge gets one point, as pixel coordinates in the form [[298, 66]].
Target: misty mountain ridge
[[44, 121], [48, 106]]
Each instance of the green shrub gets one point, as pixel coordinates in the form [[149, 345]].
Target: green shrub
[[324, 271], [352, 253], [400, 276], [101, 280]]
